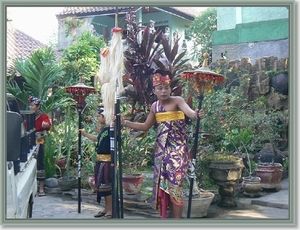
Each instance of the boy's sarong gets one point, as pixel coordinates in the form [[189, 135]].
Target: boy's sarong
[[102, 179], [171, 160]]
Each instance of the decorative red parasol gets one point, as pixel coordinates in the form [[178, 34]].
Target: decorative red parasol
[[80, 91], [201, 80]]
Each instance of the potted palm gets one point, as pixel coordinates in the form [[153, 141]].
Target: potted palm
[[133, 159], [271, 126], [68, 181], [251, 184], [52, 165]]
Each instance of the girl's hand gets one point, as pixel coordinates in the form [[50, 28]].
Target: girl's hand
[[123, 122], [199, 113], [81, 131]]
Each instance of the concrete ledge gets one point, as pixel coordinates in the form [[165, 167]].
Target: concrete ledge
[[269, 204]]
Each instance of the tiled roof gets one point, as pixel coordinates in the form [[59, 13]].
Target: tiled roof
[[19, 44], [90, 10], [188, 12]]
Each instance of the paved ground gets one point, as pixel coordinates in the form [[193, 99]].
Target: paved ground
[[270, 207]]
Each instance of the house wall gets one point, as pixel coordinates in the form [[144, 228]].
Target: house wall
[[251, 32], [162, 19], [64, 41]]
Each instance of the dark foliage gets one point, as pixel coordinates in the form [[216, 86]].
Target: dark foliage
[[143, 57]]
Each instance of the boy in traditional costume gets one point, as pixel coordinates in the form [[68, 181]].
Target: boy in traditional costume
[[171, 157], [102, 168]]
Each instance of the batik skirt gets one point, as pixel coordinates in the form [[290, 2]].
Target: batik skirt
[[103, 180]]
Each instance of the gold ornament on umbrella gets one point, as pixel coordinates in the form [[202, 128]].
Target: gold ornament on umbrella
[[203, 79]]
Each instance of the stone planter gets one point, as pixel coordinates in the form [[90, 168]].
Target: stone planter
[[200, 205], [132, 183], [67, 184], [251, 186], [270, 175], [226, 173]]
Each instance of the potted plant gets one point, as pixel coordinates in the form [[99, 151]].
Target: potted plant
[[201, 200], [251, 184], [226, 171], [52, 166], [134, 149], [270, 129], [68, 181], [88, 164], [233, 120]]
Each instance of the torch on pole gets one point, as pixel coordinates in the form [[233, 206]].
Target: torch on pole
[[201, 80], [79, 92]]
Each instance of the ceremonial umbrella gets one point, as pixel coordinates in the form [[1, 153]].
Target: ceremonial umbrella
[[80, 91], [201, 80]]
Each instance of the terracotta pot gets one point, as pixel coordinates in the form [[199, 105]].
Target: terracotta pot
[[132, 183], [91, 181], [270, 175], [61, 162], [251, 186]]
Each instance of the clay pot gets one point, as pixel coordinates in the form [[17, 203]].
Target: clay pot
[[60, 163], [132, 183], [270, 175], [251, 186], [91, 181]]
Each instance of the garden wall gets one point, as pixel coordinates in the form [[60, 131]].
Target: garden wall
[[268, 77]]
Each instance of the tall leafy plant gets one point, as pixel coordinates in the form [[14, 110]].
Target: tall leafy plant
[[200, 32], [70, 25], [143, 57], [67, 138], [139, 63], [41, 74], [82, 56]]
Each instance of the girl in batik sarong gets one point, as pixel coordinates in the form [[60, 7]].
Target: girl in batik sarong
[[102, 168], [171, 157], [42, 125]]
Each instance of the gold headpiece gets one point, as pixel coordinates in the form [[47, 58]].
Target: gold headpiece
[[159, 79]]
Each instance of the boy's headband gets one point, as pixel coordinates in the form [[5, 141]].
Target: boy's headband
[[35, 100], [159, 79]]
